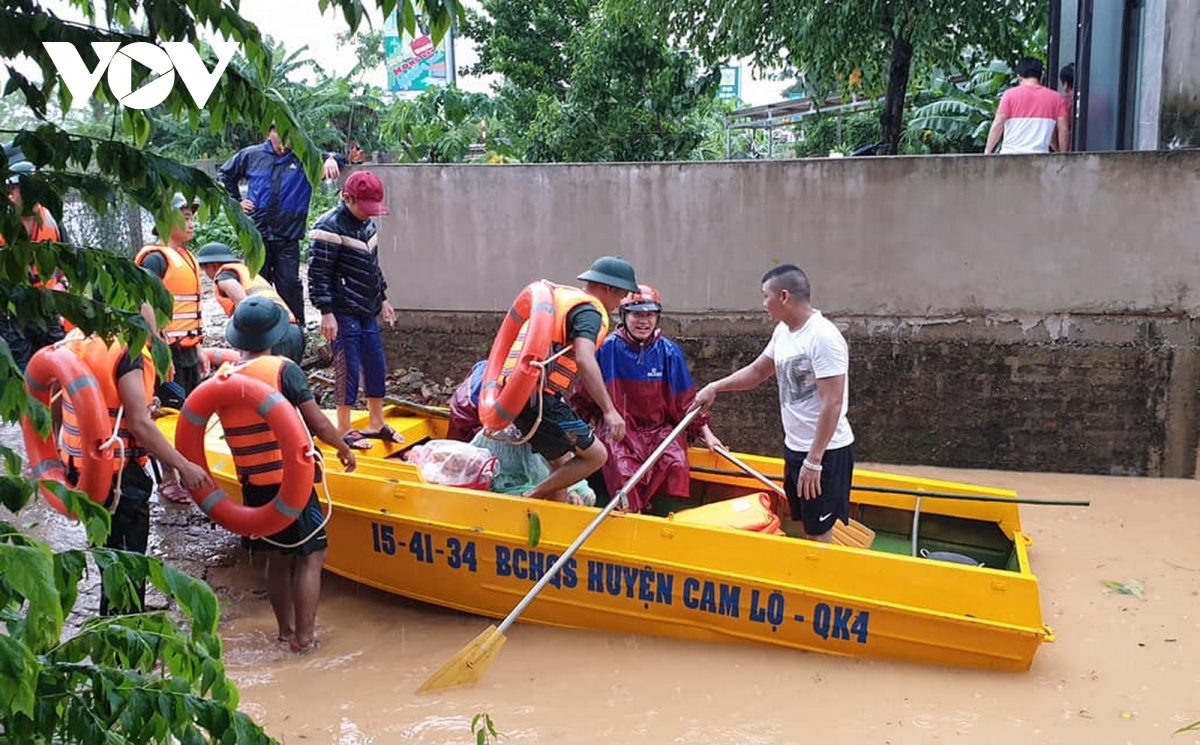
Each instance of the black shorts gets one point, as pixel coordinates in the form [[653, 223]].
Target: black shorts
[[310, 518], [837, 471], [561, 430]]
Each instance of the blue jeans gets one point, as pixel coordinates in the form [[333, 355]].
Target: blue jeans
[[358, 355]]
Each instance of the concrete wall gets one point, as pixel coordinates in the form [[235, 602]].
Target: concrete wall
[[915, 236], [1034, 313], [1179, 122]]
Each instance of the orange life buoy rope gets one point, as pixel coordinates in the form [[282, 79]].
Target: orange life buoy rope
[[532, 312], [228, 390], [58, 364]]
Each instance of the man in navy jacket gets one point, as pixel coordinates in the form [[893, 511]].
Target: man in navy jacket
[[277, 198]]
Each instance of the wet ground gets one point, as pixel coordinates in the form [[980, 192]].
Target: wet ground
[[1125, 669]]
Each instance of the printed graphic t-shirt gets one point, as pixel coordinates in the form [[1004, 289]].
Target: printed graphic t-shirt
[[817, 350], [1032, 112]]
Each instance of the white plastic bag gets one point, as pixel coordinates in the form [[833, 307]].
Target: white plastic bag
[[454, 463]]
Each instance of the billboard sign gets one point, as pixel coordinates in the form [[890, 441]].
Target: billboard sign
[[731, 84], [414, 63]]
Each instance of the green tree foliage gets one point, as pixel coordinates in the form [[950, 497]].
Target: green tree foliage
[[632, 97], [585, 80], [953, 114], [442, 124], [880, 40], [136, 678], [526, 44], [821, 134], [330, 110], [141, 677]]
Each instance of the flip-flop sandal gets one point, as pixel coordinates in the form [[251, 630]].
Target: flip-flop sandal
[[174, 492], [387, 434], [357, 440]]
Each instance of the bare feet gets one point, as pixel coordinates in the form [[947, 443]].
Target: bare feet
[[312, 646]]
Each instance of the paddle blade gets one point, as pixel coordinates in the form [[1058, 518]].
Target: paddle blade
[[855, 534], [468, 665]]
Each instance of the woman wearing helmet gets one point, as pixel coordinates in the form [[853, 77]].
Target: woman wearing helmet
[[648, 380]]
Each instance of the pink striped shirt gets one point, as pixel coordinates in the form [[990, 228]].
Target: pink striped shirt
[[1031, 113]]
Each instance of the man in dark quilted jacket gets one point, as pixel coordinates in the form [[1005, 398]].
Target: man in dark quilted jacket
[[347, 286]]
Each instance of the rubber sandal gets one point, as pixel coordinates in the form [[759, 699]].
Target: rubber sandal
[[357, 440], [174, 492], [387, 434]]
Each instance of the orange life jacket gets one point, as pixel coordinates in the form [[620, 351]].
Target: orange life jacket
[[45, 229], [256, 453], [561, 373], [182, 280], [102, 358], [253, 285]]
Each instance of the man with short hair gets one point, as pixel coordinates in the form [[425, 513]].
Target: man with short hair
[[277, 199], [346, 284], [233, 283], [809, 357], [1028, 114]]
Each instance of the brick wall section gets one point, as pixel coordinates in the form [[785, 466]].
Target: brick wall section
[[979, 395]]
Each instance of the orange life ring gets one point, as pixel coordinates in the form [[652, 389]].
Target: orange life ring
[[533, 312], [218, 356], [228, 391], [58, 364]]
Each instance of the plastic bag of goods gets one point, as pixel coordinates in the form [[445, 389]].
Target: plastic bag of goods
[[454, 463], [519, 469]]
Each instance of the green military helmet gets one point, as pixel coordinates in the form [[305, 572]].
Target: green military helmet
[[215, 253], [612, 271], [257, 324]]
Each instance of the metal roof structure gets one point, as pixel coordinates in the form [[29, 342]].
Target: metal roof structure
[[786, 113]]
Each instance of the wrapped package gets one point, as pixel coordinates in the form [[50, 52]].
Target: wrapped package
[[454, 463]]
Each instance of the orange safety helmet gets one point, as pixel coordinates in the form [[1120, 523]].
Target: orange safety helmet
[[645, 299]]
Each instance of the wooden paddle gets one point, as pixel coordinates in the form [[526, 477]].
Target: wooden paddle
[[472, 661], [923, 493], [852, 534], [441, 412]]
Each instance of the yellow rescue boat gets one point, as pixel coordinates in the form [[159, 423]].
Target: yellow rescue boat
[[664, 574]]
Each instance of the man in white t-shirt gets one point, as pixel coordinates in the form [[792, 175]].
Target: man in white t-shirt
[[1028, 115], [809, 357]]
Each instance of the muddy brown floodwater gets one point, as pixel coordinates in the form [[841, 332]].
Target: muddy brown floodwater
[[1123, 670]]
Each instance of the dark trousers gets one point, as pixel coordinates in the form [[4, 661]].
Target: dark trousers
[[130, 530], [282, 269]]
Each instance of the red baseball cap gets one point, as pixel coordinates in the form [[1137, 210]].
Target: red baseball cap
[[367, 190]]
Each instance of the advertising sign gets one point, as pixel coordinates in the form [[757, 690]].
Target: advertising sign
[[414, 63], [731, 84]]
